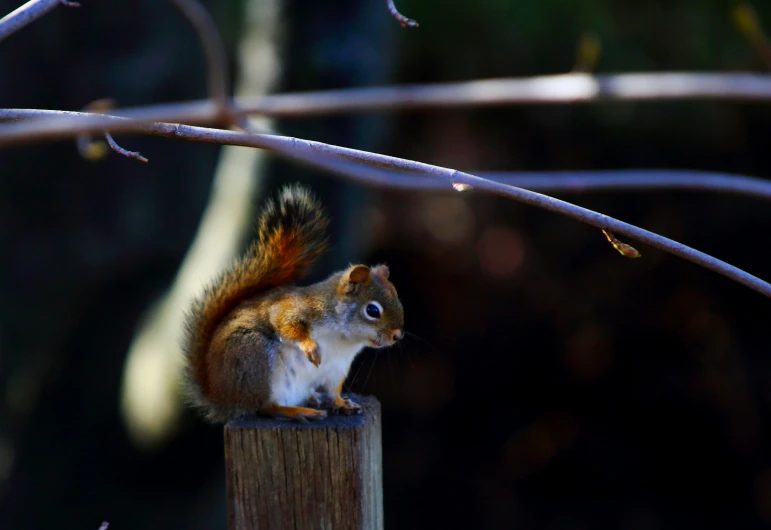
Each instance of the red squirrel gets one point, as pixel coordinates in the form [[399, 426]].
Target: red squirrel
[[255, 343]]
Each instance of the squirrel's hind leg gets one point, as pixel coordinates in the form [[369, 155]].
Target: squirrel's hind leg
[[296, 413], [241, 377]]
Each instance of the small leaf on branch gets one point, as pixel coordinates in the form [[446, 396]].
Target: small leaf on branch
[[89, 148], [101, 105], [92, 150], [625, 250], [588, 53], [95, 150], [746, 20]]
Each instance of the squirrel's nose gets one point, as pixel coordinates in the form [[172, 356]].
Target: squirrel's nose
[[398, 334]]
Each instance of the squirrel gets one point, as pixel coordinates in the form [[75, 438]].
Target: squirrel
[[256, 343]]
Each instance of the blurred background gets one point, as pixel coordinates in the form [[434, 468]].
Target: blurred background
[[554, 384]]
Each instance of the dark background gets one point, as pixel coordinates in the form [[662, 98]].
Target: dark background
[[555, 384]]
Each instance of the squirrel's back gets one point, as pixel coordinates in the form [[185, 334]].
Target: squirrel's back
[[291, 235]]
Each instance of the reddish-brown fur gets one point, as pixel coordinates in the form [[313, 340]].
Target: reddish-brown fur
[[295, 413], [236, 362], [293, 265], [291, 237]]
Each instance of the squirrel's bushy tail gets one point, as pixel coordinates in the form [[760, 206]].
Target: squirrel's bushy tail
[[291, 235]]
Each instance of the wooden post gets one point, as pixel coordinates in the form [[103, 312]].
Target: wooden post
[[316, 475]]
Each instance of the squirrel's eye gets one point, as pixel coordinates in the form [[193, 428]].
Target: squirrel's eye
[[373, 311]]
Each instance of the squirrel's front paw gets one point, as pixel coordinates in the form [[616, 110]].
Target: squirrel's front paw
[[347, 407], [311, 351]]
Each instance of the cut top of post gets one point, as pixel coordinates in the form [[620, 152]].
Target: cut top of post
[[320, 474]]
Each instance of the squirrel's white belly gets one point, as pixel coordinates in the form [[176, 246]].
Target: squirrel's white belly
[[294, 383]]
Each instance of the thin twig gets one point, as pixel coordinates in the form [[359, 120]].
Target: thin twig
[[404, 21], [118, 149], [29, 12], [214, 52], [564, 88]]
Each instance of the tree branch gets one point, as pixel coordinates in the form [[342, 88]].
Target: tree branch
[[546, 181], [337, 160], [307, 152], [214, 52], [564, 88], [58, 124], [632, 180], [29, 12], [368, 168], [561, 88]]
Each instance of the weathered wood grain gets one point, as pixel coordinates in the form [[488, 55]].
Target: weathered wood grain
[[316, 475]]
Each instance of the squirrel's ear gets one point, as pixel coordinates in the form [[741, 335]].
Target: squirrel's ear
[[382, 271], [358, 274], [355, 276]]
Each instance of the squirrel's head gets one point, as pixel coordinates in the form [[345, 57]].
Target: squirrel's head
[[374, 312]]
